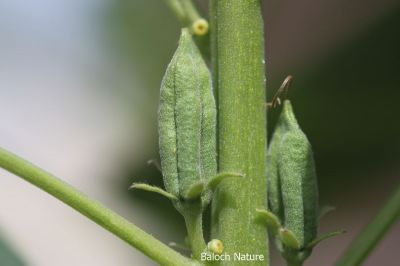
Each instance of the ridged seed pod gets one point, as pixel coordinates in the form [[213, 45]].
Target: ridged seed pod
[[298, 179], [187, 122], [292, 191], [274, 184]]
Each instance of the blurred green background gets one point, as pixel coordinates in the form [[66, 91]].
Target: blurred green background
[[79, 84]]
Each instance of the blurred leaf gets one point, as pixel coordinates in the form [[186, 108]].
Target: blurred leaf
[[8, 257]]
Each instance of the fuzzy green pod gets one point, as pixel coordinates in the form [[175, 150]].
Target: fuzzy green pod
[[298, 179], [187, 123], [292, 191], [274, 184]]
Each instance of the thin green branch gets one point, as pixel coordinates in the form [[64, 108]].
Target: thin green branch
[[365, 242], [154, 189], [188, 15], [177, 9], [96, 212], [323, 237], [190, 10]]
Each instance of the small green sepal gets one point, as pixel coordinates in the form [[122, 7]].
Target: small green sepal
[[195, 191], [325, 210], [216, 180], [155, 189], [321, 238], [288, 239], [270, 220]]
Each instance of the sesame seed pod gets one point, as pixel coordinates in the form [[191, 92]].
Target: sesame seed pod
[[187, 121], [274, 183], [208, 128], [167, 129], [187, 114], [298, 180]]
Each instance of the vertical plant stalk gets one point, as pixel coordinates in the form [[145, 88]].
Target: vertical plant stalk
[[365, 242], [238, 65], [96, 212], [213, 12]]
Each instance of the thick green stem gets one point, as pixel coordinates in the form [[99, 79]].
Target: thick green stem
[[213, 12], [238, 65], [96, 212], [365, 242], [194, 224]]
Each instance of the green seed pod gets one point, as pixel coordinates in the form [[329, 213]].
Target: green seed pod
[[292, 191], [274, 183], [298, 180], [187, 123]]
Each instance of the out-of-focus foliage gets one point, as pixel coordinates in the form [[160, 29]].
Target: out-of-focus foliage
[[349, 106], [8, 257]]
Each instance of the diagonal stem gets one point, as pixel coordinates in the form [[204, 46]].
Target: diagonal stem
[[92, 209], [188, 15], [365, 242]]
